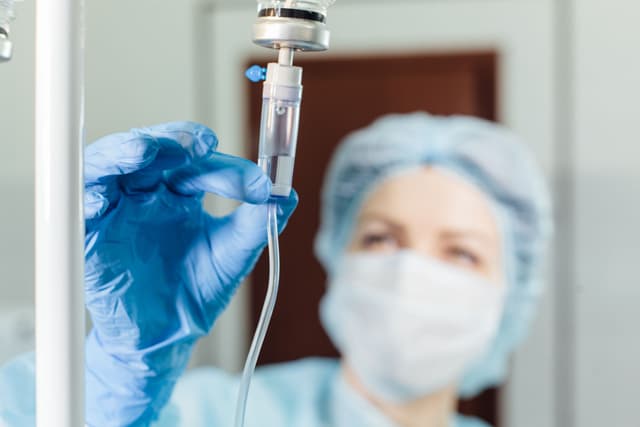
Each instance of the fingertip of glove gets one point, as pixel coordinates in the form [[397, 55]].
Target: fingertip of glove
[[285, 208], [294, 198], [289, 204], [207, 140], [258, 189]]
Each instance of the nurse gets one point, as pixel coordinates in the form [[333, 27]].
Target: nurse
[[432, 234]]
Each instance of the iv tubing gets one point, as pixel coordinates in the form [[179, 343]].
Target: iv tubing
[[265, 315]]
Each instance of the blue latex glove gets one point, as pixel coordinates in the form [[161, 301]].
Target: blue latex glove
[[159, 269]]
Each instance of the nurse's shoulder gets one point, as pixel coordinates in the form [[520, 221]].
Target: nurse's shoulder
[[18, 392], [281, 394]]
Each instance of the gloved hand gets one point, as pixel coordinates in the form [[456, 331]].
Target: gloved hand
[[158, 268]]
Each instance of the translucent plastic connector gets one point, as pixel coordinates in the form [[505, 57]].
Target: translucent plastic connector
[[281, 99]]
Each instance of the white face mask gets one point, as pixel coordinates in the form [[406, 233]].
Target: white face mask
[[409, 325]]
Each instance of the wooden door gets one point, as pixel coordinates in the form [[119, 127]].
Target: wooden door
[[341, 95]]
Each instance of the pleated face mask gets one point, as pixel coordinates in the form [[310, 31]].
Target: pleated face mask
[[409, 325]]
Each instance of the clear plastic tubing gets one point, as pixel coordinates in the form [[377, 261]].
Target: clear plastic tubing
[[265, 315]]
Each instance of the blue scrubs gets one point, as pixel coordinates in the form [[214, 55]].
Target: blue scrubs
[[309, 393]]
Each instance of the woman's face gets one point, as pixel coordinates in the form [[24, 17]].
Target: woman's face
[[435, 213]]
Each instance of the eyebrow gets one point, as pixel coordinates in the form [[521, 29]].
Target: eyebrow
[[380, 218], [450, 233], [467, 233]]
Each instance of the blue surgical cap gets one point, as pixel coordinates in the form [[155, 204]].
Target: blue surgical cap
[[490, 157]]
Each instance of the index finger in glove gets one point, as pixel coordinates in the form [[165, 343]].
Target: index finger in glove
[[224, 175], [160, 147]]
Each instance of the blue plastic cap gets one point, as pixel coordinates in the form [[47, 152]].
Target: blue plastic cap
[[256, 73]]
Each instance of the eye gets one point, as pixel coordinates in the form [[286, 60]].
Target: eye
[[378, 241], [463, 256]]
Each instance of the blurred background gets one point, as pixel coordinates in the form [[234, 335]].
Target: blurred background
[[563, 74]]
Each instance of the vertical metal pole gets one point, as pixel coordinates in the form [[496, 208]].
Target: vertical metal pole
[[59, 217]]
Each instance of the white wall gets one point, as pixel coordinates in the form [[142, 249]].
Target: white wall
[[607, 209], [140, 64], [16, 173], [16, 189]]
